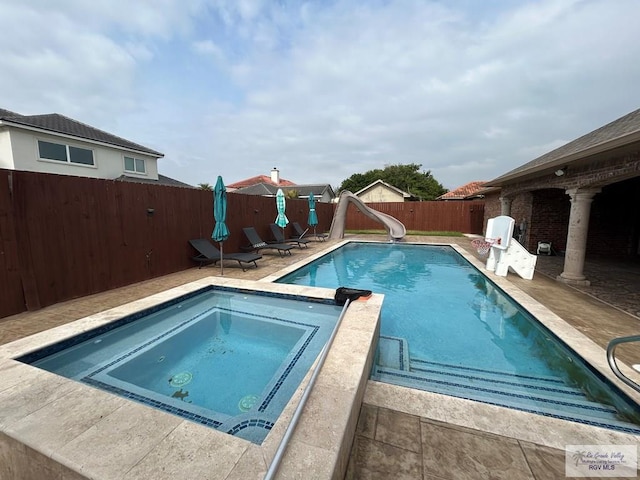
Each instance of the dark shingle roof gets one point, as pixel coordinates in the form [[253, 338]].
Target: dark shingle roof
[[258, 189], [268, 189], [57, 123], [162, 180], [616, 130]]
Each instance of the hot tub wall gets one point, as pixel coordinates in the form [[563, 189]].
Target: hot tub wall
[[321, 444], [19, 462], [53, 427]]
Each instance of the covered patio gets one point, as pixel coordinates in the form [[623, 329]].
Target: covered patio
[[581, 198]]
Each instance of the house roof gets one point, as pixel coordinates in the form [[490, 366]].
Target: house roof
[[162, 180], [471, 189], [623, 131], [385, 184], [56, 123], [269, 189], [266, 179]]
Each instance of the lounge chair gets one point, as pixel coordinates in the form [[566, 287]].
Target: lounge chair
[[301, 233], [258, 244], [280, 238], [208, 253]]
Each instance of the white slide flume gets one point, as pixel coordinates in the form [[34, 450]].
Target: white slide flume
[[395, 228]]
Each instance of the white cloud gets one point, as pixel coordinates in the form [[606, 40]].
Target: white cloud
[[327, 89]]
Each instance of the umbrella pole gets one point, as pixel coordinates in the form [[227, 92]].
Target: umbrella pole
[[221, 261]]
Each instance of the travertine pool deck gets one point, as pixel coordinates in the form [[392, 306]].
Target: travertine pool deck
[[401, 433]]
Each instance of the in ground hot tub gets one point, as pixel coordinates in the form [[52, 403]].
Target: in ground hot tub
[[223, 357]]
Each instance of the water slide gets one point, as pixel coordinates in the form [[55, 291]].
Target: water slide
[[394, 227]]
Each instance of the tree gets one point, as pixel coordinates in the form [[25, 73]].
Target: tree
[[205, 186], [420, 185]]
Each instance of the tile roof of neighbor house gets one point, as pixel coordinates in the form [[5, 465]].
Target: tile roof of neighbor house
[[470, 189], [162, 180], [620, 132], [54, 122], [259, 179], [270, 189]]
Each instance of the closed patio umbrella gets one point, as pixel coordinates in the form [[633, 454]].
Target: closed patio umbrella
[[281, 205], [313, 217], [220, 231]]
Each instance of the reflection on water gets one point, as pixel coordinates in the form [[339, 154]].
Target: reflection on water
[[387, 268]]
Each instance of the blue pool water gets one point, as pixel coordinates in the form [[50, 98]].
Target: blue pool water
[[448, 329], [224, 358]]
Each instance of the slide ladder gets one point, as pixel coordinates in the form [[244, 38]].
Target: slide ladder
[[506, 252]]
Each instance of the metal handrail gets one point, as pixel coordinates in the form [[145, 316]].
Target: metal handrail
[[275, 463], [611, 348]]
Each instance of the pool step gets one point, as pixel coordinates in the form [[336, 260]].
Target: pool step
[[547, 386], [393, 352], [542, 395]]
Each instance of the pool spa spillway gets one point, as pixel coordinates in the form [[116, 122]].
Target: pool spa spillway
[[222, 357], [447, 329]]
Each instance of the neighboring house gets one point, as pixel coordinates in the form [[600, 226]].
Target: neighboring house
[[379, 191], [273, 179], [268, 187], [53, 143], [583, 198], [469, 191]]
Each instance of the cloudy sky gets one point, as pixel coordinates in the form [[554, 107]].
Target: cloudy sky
[[323, 89]]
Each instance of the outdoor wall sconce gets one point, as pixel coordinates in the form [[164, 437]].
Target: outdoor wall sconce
[[150, 211], [560, 172]]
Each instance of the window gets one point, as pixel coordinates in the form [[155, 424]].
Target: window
[[136, 165], [65, 153]]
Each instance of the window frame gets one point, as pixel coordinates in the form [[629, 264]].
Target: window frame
[[67, 149], [135, 164]]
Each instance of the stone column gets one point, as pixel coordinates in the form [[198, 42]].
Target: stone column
[[577, 236], [505, 206]]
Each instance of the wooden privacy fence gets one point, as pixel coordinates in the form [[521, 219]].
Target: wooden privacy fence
[[64, 237], [458, 216]]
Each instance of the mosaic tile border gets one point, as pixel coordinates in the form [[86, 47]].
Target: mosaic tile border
[[619, 428], [194, 417], [488, 390], [252, 422], [310, 332], [482, 370], [39, 354]]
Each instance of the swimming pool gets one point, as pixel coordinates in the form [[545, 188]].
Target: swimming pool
[[222, 357], [446, 328]]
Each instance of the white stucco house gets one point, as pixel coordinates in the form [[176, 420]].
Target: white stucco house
[[53, 143]]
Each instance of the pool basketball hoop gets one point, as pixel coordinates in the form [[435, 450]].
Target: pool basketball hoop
[[484, 245]]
